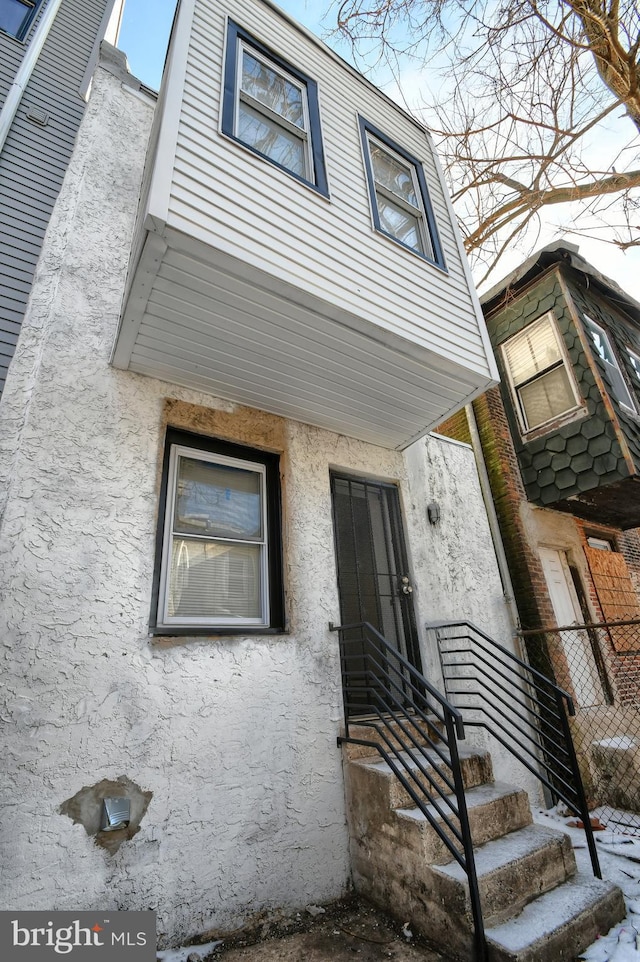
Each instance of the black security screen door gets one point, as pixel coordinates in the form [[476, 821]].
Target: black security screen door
[[372, 568]]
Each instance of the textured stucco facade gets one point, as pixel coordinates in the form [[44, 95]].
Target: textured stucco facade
[[234, 737]]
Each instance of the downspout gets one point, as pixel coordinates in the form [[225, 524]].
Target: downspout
[[26, 68], [494, 526]]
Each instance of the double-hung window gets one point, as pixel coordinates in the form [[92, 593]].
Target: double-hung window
[[605, 352], [541, 382], [398, 193], [16, 16], [220, 556], [272, 108]]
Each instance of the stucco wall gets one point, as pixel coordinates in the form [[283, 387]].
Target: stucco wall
[[234, 737]]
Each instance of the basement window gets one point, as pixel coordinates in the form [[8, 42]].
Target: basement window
[[220, 564], [272, 108], [605, 352], [541, 381], [16, 16]]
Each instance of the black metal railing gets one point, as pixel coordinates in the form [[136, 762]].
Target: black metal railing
[[521, 707], [599, 665], [416, 731]]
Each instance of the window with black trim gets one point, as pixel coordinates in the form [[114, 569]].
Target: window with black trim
[[272, 107], [398, 192], [16, 16], [605, 352], [219, 545], [540, 378]]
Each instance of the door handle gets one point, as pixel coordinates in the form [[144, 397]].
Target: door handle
[[405, 586]]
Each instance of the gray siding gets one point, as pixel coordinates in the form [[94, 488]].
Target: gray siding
[[35, 158]]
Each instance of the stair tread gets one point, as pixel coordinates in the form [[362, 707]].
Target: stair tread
[[380, 765], [549, 913], [499, 852], [479, 795]]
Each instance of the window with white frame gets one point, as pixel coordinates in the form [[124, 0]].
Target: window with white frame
[[541, 381], [16, 16], [635, 364], [604, 350], [272, 108], [220, 556], [398, 193]]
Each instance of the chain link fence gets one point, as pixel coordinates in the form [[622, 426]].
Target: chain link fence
[[599, 666]]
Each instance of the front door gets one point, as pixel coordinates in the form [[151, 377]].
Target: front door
[[372, 565], [576, 645]]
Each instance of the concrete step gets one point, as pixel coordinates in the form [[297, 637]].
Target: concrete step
[[476, 769], [365, 730], [493, 809], [558, 925], [512, 871]]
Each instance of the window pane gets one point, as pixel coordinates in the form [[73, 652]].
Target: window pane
[[218, 500], [397, 221], [273, 90], [600, 340], [603, 348], [547, 397], [533, 351], [12, 15], [271, 140], [390, 173], [215, 580]]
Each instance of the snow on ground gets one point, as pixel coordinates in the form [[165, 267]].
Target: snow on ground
[[620, 863], [619, 856], [182, 954]]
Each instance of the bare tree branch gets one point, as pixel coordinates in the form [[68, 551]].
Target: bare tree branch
[[532, 109]]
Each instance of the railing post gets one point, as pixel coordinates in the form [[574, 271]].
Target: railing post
[[343, 676], [581, 797], [480, 943]]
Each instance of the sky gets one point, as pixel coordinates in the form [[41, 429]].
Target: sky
[[144, 36]]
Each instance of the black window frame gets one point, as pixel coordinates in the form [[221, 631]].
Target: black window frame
[[32, 9], [368, 129], [237, 34], [228, 449]]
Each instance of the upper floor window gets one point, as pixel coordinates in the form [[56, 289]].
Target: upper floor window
[[272, 108], [541, 381], [219, 544], [398, 192], [605, 352], [16, 16], [635, 364]]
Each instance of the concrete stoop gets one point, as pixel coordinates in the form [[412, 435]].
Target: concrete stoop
[[536, 906]]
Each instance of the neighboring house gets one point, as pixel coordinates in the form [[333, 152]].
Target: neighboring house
[[48, 50], [251, 308], [561, 440]]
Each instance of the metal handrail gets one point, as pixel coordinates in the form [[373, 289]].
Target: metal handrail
[[520, 706], [410, 721]]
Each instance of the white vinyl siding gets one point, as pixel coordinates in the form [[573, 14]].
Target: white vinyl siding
[[541, 381], [265, 289], [605, 352], [227, 198]]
